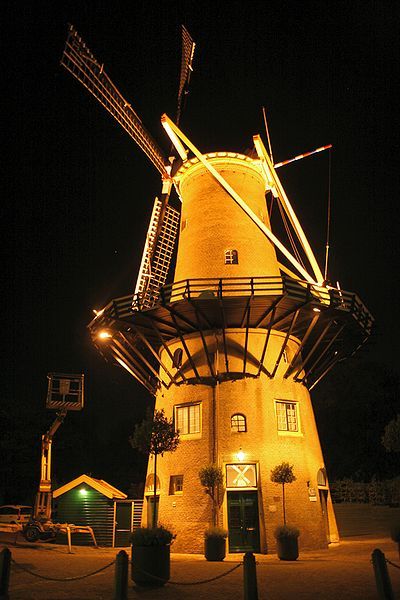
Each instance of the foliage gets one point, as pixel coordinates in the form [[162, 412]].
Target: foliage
[[283, 473], [211, 478], [360, 397], [391, 436], [375, 492], [395, 533], [152, 536], [155, 435], [215, 533], [286, 532]]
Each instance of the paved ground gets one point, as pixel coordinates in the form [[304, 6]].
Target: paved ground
[[343, 571]]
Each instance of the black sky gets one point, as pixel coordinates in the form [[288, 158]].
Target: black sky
[[78, 192]]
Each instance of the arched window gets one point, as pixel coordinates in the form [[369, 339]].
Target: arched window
[[177, 358], [231, 257], [321, 478], [238, 423], [149, 485]]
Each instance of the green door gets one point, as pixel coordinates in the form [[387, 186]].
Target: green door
[[244, 534], [150, 509], [123, 524]]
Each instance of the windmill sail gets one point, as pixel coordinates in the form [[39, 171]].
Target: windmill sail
[[188, 47], [157, 255], [80, 62]]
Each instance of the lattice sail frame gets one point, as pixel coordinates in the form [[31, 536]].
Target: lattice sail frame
[[81, 63], [188, 47], [157, 256]]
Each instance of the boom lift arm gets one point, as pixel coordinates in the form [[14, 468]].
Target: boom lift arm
[[42, 511]]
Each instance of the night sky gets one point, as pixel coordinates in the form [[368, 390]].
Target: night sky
[[79, 193]]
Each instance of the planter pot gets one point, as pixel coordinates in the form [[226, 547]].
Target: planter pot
[[150, 565], [215, 548], [287, 548]]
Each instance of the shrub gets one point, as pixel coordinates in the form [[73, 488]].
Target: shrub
[[283, 474], [212, 478], [395, 533], [215, 533], [152, 536], [286, 531]]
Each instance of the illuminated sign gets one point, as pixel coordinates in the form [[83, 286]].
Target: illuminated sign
[[241, 476]]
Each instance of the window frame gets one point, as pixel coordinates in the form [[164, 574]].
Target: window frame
[[187, 406], [231, 256], [295, 433], [177, 358], [238, 430], [172, 490]]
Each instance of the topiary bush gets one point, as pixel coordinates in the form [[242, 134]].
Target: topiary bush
[[215, 533], [152, 536], [286, 532]]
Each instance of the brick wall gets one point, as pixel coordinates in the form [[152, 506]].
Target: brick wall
[[190, 513]]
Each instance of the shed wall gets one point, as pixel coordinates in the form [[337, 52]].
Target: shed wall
[[91, 508]]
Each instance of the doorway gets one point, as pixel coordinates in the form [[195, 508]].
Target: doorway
[[150, 509], [123, 523], [243, 523], [323, 497]]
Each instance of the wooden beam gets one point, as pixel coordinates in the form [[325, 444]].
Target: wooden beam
[[235, 196]]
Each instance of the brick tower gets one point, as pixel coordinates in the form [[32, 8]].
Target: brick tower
[[238, 344], [232, 347]]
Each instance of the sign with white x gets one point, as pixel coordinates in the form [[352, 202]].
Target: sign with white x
[[241, 476]]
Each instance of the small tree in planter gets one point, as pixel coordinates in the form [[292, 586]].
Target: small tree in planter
[[286, 536], [211, 478], [150, 564], [287, 546], [283, 474], [155, 435]]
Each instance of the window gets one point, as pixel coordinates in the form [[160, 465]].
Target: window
[[286, 413], [177, 358], [187, 418], [231, 257], [175, 485], [321, 478], [149, 485], [238, 423]]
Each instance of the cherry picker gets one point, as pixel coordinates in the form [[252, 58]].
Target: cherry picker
[[64, 393]]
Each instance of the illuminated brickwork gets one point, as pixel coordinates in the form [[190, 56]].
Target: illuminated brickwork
[[213, 226]]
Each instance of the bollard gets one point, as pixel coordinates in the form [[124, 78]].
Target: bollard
[[382, 579], [5, 564], [249, 577], [121, 576]]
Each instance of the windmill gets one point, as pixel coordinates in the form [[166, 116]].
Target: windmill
[[232, 347]]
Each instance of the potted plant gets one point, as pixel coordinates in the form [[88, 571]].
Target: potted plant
[[211, 478], [287, 546], [154, 436], [150, 560], [215, 543], [286, 536]]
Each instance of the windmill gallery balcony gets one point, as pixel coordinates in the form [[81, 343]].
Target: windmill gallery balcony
[[328, 325]]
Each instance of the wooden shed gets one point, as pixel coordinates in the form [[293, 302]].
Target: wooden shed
[[94, 502]]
